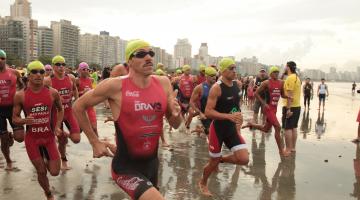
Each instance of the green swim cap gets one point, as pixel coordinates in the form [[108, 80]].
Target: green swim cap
[[185, 68], [210, 71], [159, 72], [160, 66], [58, 59], [35, 65], [134, 45], [178, 71], [202, 67], [226, 63], [2, 54], [273, 69]]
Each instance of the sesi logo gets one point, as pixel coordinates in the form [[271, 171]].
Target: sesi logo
[[140, 106]]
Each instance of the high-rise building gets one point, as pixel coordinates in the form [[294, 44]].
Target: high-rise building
[[204, 57], [12, 38], [45, 41], [21, 8], [102, 49], [182, 49], [66, 40], [89, 48]]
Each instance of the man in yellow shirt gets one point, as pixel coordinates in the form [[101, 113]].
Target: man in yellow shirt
[[291, 106]]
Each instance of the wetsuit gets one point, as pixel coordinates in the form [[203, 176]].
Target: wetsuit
[[65, 89], [274, 93], [203, 100], [86, 84], [39, 138], [138, 128], [307, 94], [225, 131], [186, 86], [7, 93]]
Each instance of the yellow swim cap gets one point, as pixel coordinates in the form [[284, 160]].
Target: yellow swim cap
[[160, 66], [210, 71], [134, 45], [202, 67], [226, 63], [178, 71], [185, 68], [160, 72], [35, 65], [273, 69], [58, 59]]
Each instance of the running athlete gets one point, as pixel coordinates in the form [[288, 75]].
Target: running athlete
[[262, 76], [223, 107], [353, 87], [201, 93], [84, 84], [291, 106], [322, 93], [48, 70], [308, 92], [66, 86], [274, 88], [202, 76], [186, 85], [37, 101], [138, 103], [9, 80], [356, 140]]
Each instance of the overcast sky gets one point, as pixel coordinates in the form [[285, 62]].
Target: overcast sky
[[314, 33]]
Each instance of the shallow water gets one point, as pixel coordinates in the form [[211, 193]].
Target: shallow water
[[323, 167]]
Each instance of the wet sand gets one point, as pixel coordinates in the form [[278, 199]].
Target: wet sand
[[322, 168]]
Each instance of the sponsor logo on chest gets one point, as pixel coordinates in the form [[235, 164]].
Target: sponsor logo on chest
[[141, 106], [132, 93]]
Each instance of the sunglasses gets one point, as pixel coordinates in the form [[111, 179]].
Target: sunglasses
[[48, 70], [85, 69], [232, 68], [35, 71], [2, 58], [60, 64], [142, 54]]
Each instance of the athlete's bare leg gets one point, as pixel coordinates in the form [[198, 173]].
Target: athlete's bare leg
[[62, 140], [5, 149], [151, 194], [209, 168], [288, 140], [239, 157], [294, 138], [75, 137], [41, 169]]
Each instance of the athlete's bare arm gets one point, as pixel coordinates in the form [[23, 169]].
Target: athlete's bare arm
[[18, 104], [173, 112], [195, 97], [118, 70], [60, 111], [75, 90], [109, 89], [264, 85]]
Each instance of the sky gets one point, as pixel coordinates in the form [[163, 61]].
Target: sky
[[315, 34]]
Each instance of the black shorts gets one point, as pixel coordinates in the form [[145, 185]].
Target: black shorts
[[292, 121], [6, 113], [224, 132], [184, 104], [135, 178], [322, 97], [206, 123]]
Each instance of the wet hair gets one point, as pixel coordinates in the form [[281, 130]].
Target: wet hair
[[307, 78], [292, 66], [323, 79]]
